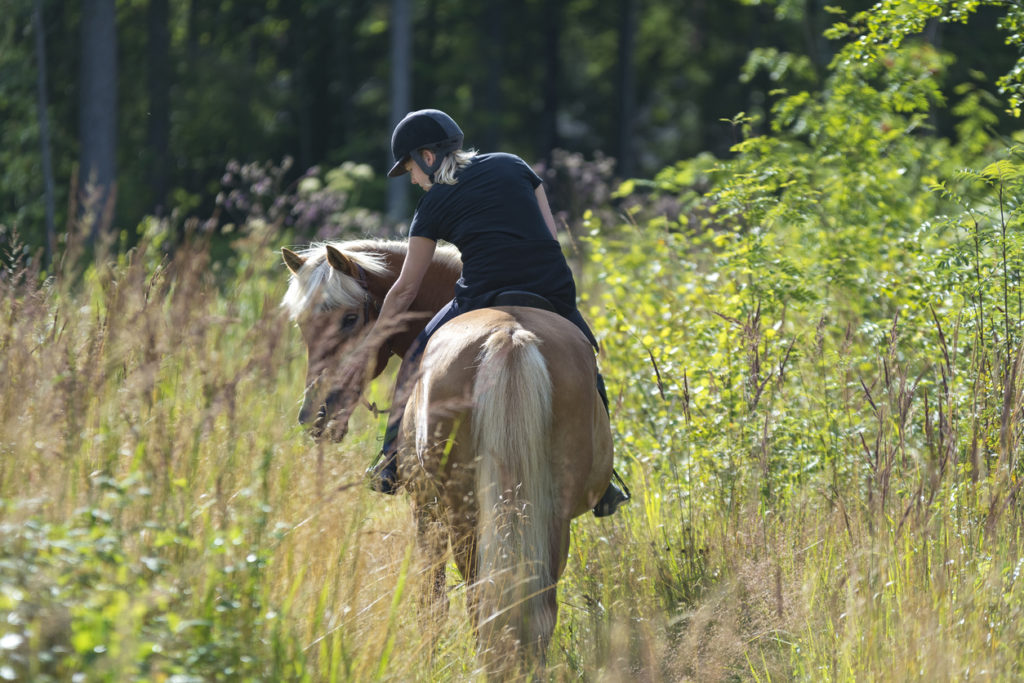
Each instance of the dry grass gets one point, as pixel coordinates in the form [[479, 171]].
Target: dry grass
[[162, 516]]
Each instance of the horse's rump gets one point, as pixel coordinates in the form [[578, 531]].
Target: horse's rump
[[505, 428], [441, 403]]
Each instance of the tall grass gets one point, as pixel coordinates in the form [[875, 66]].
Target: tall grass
[[163, 516], [827, 479]]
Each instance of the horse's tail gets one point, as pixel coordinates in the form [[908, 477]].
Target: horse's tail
[[511, 430]]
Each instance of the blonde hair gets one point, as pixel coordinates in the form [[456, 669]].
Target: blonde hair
[[452, 164]]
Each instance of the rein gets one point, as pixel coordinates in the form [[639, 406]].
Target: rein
[[375, 409], [367, 303]]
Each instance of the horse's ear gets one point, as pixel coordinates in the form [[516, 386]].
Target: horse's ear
[[341, 263], [292, 260]]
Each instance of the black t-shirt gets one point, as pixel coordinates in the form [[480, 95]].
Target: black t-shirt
[[491, 215]]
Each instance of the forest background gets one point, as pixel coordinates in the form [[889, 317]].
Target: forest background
[[796, 226], [158, 96]]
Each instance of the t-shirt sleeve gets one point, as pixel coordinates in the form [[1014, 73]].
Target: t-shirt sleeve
[[530, 174], [424, 223]]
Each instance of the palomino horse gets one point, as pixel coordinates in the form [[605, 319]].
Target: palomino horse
[[504, 438]]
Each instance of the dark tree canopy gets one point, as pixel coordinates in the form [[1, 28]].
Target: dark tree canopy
[[158, 95]]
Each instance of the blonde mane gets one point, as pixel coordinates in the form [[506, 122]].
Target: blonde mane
[[318, 287]]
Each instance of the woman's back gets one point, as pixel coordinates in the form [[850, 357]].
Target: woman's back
[[491, 215]]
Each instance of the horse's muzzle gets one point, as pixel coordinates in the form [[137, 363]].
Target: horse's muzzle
[[330, 419]]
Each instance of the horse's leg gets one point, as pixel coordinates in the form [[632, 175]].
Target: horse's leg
[[433, 544], [464, 551], [547, 613]]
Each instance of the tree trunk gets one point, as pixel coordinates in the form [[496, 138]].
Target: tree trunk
[[401, 53], [98, 115], [192, 33], [627, 88], [552, 79], [158, 132], [44, 131], [491, 101], [815, 22]]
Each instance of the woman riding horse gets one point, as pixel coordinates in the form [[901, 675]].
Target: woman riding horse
[[493, 208]]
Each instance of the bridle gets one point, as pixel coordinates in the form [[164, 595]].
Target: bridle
[[368, 301]]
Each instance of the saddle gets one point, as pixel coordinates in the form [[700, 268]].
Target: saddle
[[516, 297]]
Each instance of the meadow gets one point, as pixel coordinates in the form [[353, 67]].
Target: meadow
[[815, 357]]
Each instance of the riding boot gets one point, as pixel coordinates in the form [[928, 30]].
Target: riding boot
[[613, 496], [383, 474], [611, 500]]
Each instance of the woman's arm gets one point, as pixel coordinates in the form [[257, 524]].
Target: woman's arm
[[402, 293], [545, 210]]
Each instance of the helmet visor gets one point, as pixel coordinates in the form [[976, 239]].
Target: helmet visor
[[399, 168]]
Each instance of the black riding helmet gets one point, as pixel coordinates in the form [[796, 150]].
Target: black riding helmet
[[424, 129]]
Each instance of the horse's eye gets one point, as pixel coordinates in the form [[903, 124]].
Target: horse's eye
[[349, 321]]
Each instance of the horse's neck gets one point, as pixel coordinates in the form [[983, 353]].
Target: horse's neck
[[438, 284], [435, 291]]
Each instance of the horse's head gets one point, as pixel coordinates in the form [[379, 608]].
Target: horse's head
[[329, 296]]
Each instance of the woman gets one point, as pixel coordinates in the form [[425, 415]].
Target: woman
[[494, 209]]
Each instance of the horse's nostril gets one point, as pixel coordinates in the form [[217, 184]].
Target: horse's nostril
[[331, 400]]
